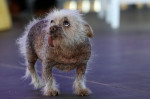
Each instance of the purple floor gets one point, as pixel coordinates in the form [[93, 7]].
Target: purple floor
[[119, 68]]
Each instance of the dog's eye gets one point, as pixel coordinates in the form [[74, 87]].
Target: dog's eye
[[52, 21], [66, 23]]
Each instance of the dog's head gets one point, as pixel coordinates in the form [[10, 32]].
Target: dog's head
[[67, 27]]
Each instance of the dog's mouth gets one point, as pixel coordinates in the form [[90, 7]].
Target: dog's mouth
[[55, 33], [53, 38], [50, 41]]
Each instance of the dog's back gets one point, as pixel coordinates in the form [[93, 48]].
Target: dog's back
[[33, 30], [22, 41]]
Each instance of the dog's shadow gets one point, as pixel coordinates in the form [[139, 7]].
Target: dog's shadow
[[36, 94]]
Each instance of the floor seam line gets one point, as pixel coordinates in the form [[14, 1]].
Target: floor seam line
[[90, 81]]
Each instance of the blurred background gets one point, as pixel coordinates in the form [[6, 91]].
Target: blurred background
[[116, 14], [120, 65]]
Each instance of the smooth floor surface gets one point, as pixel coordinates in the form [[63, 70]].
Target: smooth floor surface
[[119, 67]]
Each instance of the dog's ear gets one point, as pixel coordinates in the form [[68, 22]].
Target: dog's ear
[[88, 30]]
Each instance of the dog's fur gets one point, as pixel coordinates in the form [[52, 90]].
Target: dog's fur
[[70, 49]]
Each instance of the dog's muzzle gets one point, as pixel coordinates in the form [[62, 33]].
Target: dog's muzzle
[[55, 30]]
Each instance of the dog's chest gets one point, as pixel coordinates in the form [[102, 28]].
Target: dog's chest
[[69, 59], [69, 56]]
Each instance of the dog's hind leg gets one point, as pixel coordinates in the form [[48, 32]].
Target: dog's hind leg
[[31, 71]]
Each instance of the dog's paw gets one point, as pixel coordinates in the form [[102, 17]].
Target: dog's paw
[[83, 92], [51, 93]]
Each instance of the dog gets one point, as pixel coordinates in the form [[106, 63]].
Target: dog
[[59, 40]]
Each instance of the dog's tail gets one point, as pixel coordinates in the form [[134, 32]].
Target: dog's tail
[[22, 41]]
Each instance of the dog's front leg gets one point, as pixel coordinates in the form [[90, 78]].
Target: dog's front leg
[[50, 88], [79, 83]]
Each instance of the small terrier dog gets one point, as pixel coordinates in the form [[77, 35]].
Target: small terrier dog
[[59, 40]]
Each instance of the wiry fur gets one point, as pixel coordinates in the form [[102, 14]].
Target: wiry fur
[[73, 38], [22, 40], [71, 49]]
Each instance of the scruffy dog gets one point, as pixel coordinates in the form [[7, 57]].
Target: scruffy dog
[[60, 40]]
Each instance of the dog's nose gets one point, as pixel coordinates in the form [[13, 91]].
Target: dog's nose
[[54, 28]]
